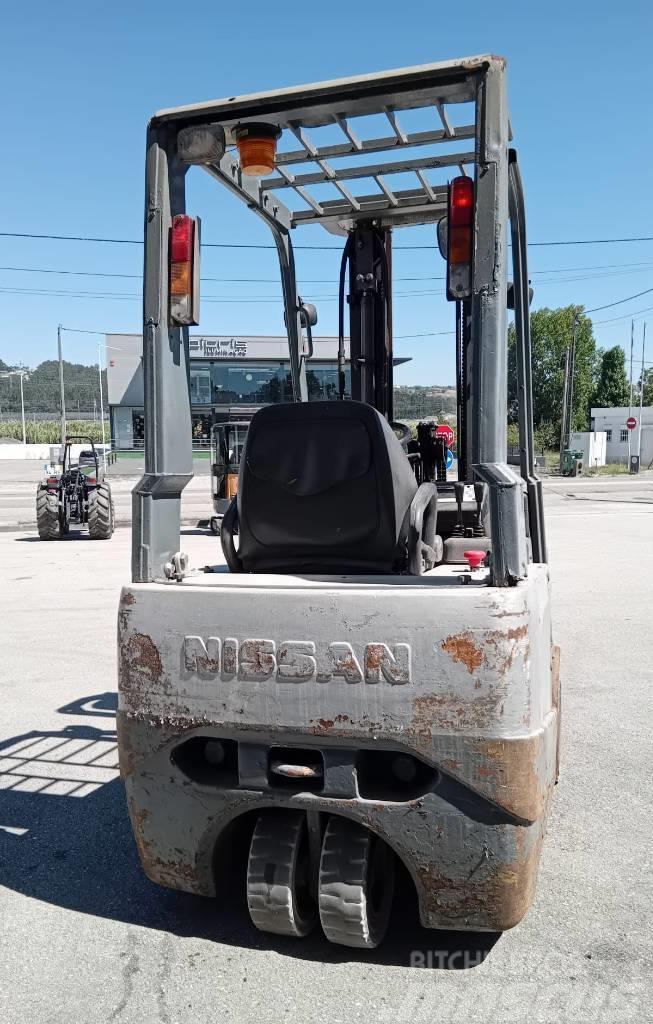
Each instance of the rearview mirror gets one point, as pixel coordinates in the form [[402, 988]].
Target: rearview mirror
[[443, 237], [308, 313], [510, 298]]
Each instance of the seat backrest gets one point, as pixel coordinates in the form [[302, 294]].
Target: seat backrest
[[324, 487]]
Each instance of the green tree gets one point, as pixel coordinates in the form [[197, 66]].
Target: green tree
[[551, 335], [647, 377], [612, 388]]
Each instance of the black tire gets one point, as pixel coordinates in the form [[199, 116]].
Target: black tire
[[278, 875], [356, 885], [47, 515], [100, 513]]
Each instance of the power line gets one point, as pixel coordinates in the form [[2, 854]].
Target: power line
[[322, 248], [625, 316], [609, 305], [214, 299], [428, 334], [321, 280]]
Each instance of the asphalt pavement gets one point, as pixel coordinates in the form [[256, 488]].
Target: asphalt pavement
[[19, 479], [85, 937]]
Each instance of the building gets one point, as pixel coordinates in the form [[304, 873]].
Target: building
[[620, 441], [230, 377]]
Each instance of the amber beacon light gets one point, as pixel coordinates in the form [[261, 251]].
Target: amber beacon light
[[257, 147]]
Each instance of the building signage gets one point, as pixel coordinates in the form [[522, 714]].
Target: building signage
[[219, 348]]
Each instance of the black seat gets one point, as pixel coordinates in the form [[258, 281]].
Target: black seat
[[324, 487]]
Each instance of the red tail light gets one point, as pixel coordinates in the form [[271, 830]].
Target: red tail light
[[184, 270], [460, 238]]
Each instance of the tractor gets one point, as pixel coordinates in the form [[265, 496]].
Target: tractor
[[78, 495]]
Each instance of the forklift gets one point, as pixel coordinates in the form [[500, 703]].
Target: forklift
[[227, 447], [370, 679]]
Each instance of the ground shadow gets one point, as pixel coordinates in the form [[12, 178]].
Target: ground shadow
[[65, 838], [74, 535], [102, 705]]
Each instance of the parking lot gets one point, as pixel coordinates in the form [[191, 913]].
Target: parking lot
[[86, 937]]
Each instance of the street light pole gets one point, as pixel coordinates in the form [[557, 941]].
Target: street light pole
[[22, 408], [21, 374], [61, 388]]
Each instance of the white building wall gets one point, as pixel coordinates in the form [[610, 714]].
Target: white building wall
[[613, 421]]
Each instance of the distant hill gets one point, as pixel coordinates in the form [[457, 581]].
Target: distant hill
[[82, 389], [415, 402], [41, 390]]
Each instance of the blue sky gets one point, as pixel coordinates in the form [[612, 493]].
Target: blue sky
[[79, 87]]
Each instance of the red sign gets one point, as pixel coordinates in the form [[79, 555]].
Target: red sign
[[445, 431], [631, 422]]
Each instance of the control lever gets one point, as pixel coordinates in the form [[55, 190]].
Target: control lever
[[459, 491], [479, 494]]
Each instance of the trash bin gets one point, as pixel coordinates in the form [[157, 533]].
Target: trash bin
[[571, 462], [634, 464]]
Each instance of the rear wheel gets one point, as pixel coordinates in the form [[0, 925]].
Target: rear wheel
[[47, 515], [278, 875], [356, 885], [100, 513]]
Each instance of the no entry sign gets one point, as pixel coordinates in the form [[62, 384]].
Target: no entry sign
[[445, 431], [631, 422]]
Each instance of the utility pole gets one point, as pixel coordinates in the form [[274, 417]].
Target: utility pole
[[630, 396], [565, 392], [99, 366], [572, 372], [641, 400], [568, 391], [61, 388]]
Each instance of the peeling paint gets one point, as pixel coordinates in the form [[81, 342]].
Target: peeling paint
[[461, 648]]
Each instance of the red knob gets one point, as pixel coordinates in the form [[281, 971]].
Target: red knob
[[475, 558]]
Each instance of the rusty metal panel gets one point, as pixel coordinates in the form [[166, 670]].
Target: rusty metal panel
[[410, 656], [468, 687]]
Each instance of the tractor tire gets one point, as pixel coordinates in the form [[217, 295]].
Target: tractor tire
[[100, 513], [47, 515]]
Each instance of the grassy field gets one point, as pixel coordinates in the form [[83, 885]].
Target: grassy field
[[49, 431]]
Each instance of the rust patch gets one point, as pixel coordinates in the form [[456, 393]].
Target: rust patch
[[511, 768], [230, 657], [374, 657], [141, 663], [494, 896], [327, 725], [126, 601], [324, 724], [208, 665], [461, 648], [451, 711], [450, 765]]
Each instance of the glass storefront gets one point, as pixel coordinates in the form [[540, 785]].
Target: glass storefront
[[264, 383], [218, 385]]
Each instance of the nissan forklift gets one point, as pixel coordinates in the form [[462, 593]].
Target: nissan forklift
[[367, 678]]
